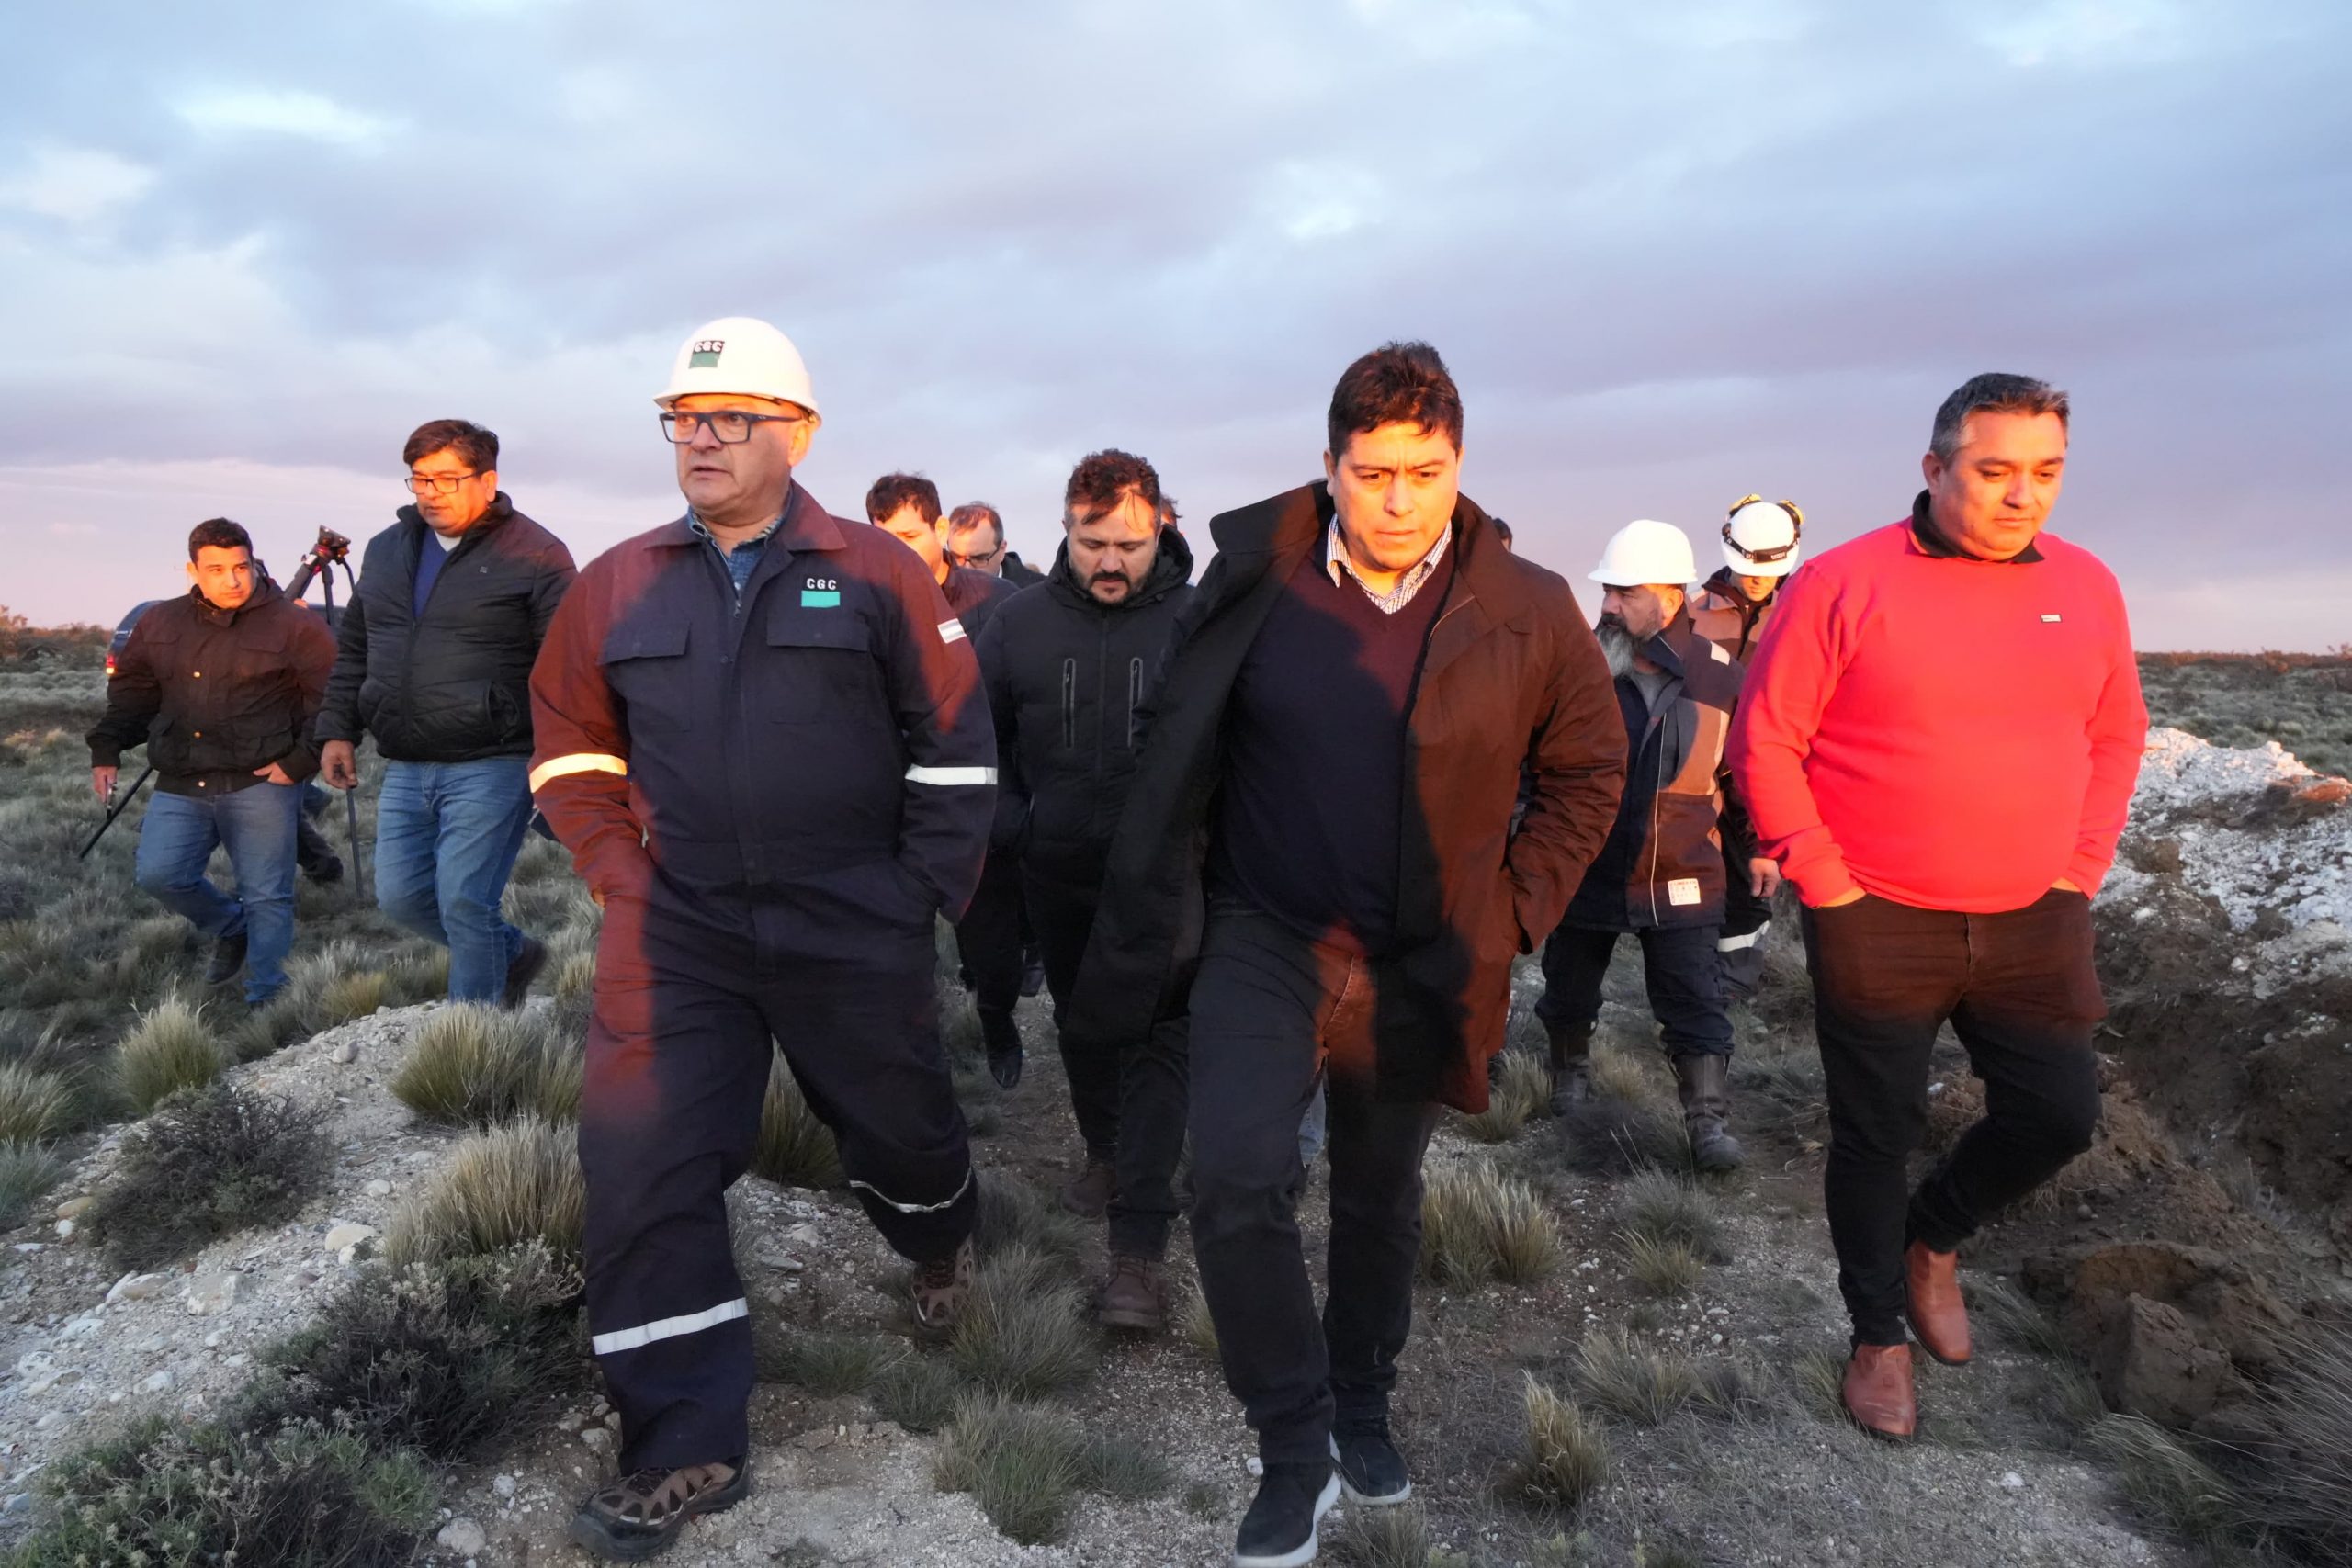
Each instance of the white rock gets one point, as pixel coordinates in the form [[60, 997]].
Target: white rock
[[211, 1293], [463, 1537], [598, 1440], [157, 1382], [2011, 1481], [379, 1188], [34, 1362], [343, 1053], [65, 1230], [135, 1288], [503, 1486], [82, 1327], [51, 1419], [63, 1377], [349, 1239], [239, 1359], [73, 1208]]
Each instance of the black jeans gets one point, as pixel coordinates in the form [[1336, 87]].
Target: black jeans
[[1128, 1096], [988, 939], [1267, 1007], [2021, 992], [1678, 966]]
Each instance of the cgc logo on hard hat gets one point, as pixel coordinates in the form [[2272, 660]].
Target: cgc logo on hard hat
[[706, 353]]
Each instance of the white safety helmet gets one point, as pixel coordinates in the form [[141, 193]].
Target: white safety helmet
[[744, 357], [1646, 551], [1760, 537]]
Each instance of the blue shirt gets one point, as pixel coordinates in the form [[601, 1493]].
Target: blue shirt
[[431, 556], [740, 561]]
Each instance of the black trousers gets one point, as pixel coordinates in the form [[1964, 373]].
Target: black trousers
[[1128, 1096], [1269, 1008], [988, 939], [2021, 993], [690, 1005], [1680, 967]]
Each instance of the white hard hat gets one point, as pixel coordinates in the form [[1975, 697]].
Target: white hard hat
[[744, 357], [1761, 537], [1646, 551]]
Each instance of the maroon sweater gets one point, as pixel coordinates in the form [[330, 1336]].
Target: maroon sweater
[[1945, 732]]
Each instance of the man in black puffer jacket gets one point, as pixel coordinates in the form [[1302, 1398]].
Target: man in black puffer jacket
[[1066, 663], [434, 659], [221, 687]]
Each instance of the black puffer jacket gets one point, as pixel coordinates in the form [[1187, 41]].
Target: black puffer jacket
[[215, 694], [453, 685], [1066, 676], [1663, 865]]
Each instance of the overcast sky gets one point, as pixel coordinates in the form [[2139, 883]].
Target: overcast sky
[[1673, 253]]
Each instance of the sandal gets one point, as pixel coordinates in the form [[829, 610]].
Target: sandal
[[642, 1513]]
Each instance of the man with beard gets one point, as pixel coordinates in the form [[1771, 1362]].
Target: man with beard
[[1067, 665], [1661, 874], [1316, 865]]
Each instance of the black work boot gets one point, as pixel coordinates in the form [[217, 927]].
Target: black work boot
[[228, 957], [1003, 1038], [521, 970], [1571, 1066], [1700, 1077], [1279, 1530]]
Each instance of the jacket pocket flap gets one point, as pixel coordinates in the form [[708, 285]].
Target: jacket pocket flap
[[794, 626], [645, 639]]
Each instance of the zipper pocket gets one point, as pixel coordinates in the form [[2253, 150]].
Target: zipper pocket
[[1135, 697], [1070, 705]]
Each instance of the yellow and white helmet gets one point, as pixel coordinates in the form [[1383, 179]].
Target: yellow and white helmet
[[1760, 537]]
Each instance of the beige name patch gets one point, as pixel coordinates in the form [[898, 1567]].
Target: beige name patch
[[1682, 890]]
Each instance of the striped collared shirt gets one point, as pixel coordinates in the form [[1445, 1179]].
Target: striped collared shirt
[[740, 560], [1335, 561]]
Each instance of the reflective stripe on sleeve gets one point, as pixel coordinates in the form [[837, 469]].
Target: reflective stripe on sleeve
[[950, 630], [578, 763], [921, 774], [1740, 944], [947, 1202], [667, 1328]]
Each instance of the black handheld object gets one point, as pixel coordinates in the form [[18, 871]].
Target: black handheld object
[[128, 795]]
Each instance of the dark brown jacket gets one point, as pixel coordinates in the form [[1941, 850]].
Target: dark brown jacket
[[1512, 676]]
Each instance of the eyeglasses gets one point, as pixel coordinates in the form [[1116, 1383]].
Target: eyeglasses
[[437, 484], [731, 426], [977, 559]]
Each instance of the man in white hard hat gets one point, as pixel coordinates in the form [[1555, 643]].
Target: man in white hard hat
[[1760, 541], [1661, 874], [761, 734]]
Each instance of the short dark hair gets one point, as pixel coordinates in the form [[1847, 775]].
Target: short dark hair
[[1168, 512], [1398, 383], [892, 491], [1502, 528], [219, 534], [1996, 391], [476, 447], [972, 514], [1102, 480]]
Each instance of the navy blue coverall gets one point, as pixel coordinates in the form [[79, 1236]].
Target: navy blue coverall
[[774, 782]]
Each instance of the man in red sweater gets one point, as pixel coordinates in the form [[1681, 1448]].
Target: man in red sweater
[[1937, 741]]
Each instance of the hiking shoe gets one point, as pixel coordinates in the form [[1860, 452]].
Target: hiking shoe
[[521, 970], [1370, 1468], [941, 1288], [1134, 1296], [1279, 1530], [228, 957], [1089, 1197], [1003, 1038], [642, 1513]]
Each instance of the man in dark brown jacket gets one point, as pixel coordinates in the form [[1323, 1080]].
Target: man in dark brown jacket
[[1317, 861]]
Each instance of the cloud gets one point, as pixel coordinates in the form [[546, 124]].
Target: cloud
[[284, 112], [73, 184]]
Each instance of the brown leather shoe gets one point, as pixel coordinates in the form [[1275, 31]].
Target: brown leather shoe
[[1938, 1316], [1134, 1296], [1089, 1196], [1877, 1391]]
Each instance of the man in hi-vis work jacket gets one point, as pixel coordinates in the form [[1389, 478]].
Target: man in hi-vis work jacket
[[761, 734]]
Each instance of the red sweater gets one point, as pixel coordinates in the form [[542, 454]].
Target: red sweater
[[1945, 732]]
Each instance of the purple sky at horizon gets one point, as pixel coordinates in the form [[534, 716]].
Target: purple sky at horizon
[[1672, 253]]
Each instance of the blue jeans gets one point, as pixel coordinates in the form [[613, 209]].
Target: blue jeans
[[257, 826], [447, 835]]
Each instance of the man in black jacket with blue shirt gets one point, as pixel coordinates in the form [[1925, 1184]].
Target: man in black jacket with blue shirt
[[434, 659]]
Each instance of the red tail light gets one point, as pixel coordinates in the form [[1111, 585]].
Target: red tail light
[[110, 666]]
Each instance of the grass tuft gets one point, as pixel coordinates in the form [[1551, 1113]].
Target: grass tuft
[[1388, 1538], [453, 1360], [2303, 1487], [471, 1065], [1610, 1136], [1024, 1332], [917, 1392], [2167, 1481], [1195, 1324], [500, 1189], [1477, 1225], [795, 1149], [28, 1174], [1123, 1470], [827, 1364], [1014, 1213], [210, 1161], [1667, 1206], [35, 1105], [171, 1049], [1512, 1101], [1664, 1268], [1566, 1456], [1021, 1464], [1647, 1387]]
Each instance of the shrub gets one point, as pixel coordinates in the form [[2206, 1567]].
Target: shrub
[[1670, 1207], [1122, 1470], [171, 1049], [1023, 1465], [1608, 1136], [1014, 1213], [795, 1149], [28, 1173], [35, 1105], [452, 1358], [1664, 1268], [1646, 1387], [294, 1498], [917, 1392], [1388, 1537], [511, 1185], [1566, 1456], [2303, 1487], [475, 1065], [210, 1161], [1021, 1332], [826, 1364], [352, 996], [2167, 1481], [1523, 1090], [1477, 1223]]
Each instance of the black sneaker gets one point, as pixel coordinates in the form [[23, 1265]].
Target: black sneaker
[[1279, 1530], [1370, 1467], [228, 957], [1003, 1038], [521, 970]]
